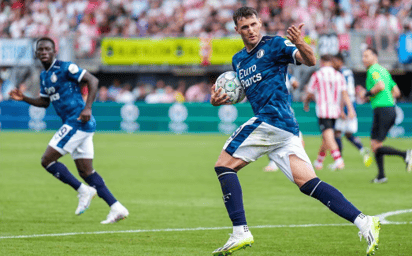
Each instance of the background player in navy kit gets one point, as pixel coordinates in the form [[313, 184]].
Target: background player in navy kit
[[349, 126], [60, 84], [261, 67]]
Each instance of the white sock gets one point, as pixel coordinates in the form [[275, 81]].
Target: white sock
[[362, 151], [339, 161], [115, 205], [82, 189], [240, 229], [361, 221]]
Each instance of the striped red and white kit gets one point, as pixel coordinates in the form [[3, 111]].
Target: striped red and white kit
[[327, 85]]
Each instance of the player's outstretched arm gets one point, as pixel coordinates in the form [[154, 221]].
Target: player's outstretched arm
[[218, 99], [396, 93], [377, 88], [346, 101], [18, 95], [305, 54], [92, 85], [308, 98]]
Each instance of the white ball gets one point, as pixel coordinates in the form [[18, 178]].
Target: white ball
[[230, 85]]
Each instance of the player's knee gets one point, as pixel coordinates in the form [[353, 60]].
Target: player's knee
[[84, 173], [375, 146], [310, 186], [220, 170]]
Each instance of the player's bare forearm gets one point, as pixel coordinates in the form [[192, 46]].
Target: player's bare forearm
[[349, 106], [92, 85], [306, 101], [396, 93], [305, 54], [37, 102], [379, 86], [42, 102]]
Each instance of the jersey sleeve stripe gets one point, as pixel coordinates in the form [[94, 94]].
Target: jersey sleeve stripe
[[294, 56], [44, 95], [81, 75]]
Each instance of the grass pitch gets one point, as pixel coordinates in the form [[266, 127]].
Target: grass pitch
[[168, 182]]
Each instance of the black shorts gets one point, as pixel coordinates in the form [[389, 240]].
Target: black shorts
[[383, 120], [326, 123]]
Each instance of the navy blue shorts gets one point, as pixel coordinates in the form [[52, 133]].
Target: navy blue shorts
[[383, 120], [326, 123]]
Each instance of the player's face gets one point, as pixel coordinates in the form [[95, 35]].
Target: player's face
[[249, 30], [368, 58], [337, 63], [45, 51]]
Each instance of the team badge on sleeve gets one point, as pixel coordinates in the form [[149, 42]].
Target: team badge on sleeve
[[289, 43], [375, 75], [73, 68]]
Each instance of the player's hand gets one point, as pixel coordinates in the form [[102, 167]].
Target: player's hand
[[85, 115], [295, 34], [351, 114], [306, 107], [16, 94], [363, 97], [218, 99], [342, 115]]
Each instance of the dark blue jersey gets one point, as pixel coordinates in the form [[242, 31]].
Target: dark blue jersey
[[61, 84], [262, 72], [350, 86]]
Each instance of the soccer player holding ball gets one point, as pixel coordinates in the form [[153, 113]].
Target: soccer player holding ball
[[261, 68], [60, 85]]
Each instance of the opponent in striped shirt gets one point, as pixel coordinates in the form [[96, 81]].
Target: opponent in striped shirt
[[328, 87], [344, 124]]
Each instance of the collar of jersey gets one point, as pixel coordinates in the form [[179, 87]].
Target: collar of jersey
[[374, 65], [54, 61], [251, 50]]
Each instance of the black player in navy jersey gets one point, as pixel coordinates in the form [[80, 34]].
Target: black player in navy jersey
[[60, 85], [262, 67]]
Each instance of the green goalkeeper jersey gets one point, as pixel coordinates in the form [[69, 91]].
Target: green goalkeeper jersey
[[383, 98]]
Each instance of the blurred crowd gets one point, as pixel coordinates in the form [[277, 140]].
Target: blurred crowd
[[160, 93], [88, 20]]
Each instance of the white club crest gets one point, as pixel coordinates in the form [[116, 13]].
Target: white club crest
[[73, 68], [53, 78], [260, 53]]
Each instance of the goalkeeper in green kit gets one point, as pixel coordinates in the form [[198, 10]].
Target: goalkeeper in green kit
[[382, 91]]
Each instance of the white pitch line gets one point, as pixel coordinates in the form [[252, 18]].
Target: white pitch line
[[381, 216], [166, 230], [180, 230]]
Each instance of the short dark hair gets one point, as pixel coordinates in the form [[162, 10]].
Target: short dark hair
[[326, 57], [339, 56], [46, 39], [244, 12], [370, 48]]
